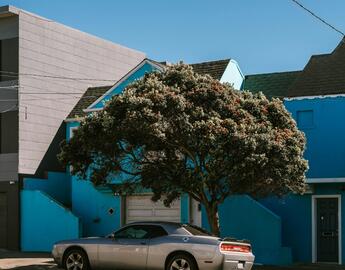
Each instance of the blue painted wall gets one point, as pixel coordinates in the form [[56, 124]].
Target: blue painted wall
[[244, 218], [44, 221], [92, 207], [57, 185], [321, 119], [296, 214], [146, 68]]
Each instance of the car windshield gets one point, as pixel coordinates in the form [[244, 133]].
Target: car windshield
[[195, 230]]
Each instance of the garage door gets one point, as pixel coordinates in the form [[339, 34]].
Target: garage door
[[3, 220], [141, 208]]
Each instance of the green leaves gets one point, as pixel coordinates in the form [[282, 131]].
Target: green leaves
[[179, 132]]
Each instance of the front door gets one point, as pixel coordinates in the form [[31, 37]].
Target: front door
[[327, 230]]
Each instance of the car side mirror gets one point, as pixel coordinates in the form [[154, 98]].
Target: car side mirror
[[111, 236]]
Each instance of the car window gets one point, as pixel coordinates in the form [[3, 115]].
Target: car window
[[195, 230], [133, 232], [157, 231], [140, 232]]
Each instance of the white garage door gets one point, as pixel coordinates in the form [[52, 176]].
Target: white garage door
[[141, 208]]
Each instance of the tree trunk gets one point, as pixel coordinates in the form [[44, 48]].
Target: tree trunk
[[213, 218]]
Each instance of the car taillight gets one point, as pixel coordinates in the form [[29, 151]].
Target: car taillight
[[235, 248]]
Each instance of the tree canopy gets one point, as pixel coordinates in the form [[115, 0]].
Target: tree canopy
[[178, 132]]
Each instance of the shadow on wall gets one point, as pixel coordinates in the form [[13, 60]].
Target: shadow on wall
[[242, 217], [45, 221]]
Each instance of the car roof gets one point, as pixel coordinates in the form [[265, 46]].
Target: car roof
[[170, 227], [157, 223]]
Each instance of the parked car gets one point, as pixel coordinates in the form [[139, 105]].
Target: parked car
[[155, 245]]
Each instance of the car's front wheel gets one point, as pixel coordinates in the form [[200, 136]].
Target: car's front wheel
[[181, 262], [76, 259]]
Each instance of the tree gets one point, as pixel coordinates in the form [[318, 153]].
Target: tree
[[178, 132]]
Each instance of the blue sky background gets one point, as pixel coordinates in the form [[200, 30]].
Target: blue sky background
[[262, 35]]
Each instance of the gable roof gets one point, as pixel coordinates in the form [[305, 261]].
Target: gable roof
[[89, 97], [94, 94], [323, 75], [271, 84], [215, 69]]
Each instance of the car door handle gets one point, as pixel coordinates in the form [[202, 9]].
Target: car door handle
[[143, 243]]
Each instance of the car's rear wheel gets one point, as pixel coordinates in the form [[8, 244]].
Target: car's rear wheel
[[181, 262], [76, 259]]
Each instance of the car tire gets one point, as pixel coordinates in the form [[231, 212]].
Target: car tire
[[76, 259], [181, 261]]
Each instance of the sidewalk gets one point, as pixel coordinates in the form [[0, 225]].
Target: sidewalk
[[26, 261], [43, 261]]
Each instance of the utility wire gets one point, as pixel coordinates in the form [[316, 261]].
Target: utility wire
[[319, 18], [15, 74]]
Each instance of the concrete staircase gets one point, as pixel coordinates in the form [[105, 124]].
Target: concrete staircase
[[243, 217], [46, 216]]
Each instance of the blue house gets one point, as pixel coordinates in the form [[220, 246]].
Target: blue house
[[83, 210], [295, 228], [312, 223]]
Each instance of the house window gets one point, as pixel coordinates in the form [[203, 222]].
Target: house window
[[9, 59], [72, 130], [305, 119]]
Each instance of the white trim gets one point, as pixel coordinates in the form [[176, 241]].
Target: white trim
[[314, 225], [314, 97], [71, 131], [325, 180], [140, 65]]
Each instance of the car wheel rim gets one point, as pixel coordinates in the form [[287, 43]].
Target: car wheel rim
[[180, 264], [74, 262]]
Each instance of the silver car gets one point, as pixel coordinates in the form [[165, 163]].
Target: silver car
[[155, 245]]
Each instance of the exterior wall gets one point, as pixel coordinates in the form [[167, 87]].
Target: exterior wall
[[120, 86], [11, 190], [296, 214], [94, 217], [233, 75], [324, 128], [242, 217], [9, 25], [8, 167], [57, 186], [92, 207], [320, 119], [51, 49], [9, 132], [44, 222]]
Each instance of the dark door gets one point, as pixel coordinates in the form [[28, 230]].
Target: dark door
[[3, 220], [327, 230]]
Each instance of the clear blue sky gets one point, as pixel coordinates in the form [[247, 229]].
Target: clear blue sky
[[262, 35]]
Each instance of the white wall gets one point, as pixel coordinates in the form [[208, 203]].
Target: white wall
[[49, 48], [233, 75]]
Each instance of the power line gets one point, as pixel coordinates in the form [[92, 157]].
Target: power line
[[319, 18], [15, 75]]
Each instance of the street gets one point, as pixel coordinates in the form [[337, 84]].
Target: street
[[43, 261]]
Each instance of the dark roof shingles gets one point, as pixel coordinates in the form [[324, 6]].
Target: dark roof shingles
[[215, 69], [271, 84], [90, 96], [323, 75]]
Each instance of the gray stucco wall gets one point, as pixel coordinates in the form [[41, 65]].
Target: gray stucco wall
[[50, 49]]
